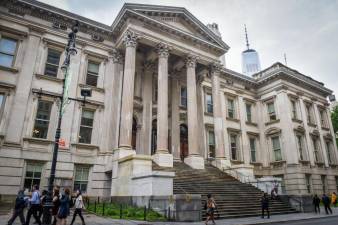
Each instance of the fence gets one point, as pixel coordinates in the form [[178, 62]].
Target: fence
[[125, 211]]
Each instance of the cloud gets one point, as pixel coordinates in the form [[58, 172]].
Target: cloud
[[306, 30]]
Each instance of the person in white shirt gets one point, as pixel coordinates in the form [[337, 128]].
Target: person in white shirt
[[79, 205], [34, 205]]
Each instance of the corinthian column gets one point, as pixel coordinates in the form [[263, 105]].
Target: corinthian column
[[162, 156], [194, 160], [126, 123], [217, 112]]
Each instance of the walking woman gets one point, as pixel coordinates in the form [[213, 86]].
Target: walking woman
[[211, 206], [78, 207], [63, 212], [56, 204], [20, 204]]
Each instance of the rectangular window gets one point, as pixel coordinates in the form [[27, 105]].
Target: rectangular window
[[233, 146], [52, 63], [33, 175], [42, 119], [81, 178], [316, 149], [211, 142], [231, 108], [248, 112], [86, 126], [2, 104], [276, 148], [271, 111], [253, 149], [309, 115], [92, 73], [7, 51], [300, 147], [322, 118], [208, 99], [328, 152], [323, 178], [184, 97], [308, 182], [294, 109]]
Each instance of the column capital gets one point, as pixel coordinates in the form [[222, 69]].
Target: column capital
[[215, 67], [163, 50], [191, 60], [130, 38], [117, 56]]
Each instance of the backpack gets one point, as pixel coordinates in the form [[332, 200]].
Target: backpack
[[71, 202]]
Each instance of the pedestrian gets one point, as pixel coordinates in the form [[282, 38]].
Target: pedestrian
[[316, 202], [42, 203], [34, 202], [327, 202], [334, 199], [210, 207], [56, 203], [78, 207], [265, 205], [20, 204], [63, 211]]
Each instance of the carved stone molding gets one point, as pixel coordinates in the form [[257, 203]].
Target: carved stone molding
[[163, 50], [117, 56], [215, 68], [130, 38], [191, 60]]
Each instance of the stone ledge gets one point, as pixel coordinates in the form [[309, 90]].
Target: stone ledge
[[154, 174], [51, 78], [38, 140], [83, 145], [311, 125], [10, 69], [251, 123], [232, 119], [132, 157], [297, 120], [272, 122], [92, 87]]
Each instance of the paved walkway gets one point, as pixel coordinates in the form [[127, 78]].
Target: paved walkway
[[96, 220]]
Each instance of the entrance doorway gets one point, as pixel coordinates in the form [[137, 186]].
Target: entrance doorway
[[184, 148], [154, 137], [134, 134]]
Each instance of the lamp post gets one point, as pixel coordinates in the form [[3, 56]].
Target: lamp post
[[70, 50]]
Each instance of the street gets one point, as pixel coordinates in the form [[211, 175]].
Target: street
[[327, 221]]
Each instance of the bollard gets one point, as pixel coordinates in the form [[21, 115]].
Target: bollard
[[95, 206], [103, 209], [169, 214], [98, 200], [145, 213], [120, 211], [111, 200]]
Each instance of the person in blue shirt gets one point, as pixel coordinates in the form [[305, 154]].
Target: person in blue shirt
[[34, 202]]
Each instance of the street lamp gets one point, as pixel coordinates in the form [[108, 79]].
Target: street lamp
[[70, 51]]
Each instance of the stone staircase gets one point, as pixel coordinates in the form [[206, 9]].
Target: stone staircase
[[234, 199]]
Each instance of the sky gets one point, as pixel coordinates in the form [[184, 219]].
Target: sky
[[305, 30]]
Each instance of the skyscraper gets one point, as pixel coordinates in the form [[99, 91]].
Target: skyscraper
[[250, 59]]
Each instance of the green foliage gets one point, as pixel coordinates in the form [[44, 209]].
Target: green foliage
[[334, 118], [128, 212]]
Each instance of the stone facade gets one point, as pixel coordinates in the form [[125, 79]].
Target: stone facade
[[159, 94]]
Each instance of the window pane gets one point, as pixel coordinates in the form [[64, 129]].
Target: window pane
[[93, 67], [87, 118], [271, 107], [275, 143], [8, 46], [51, 70], [211, 138], [53, 56], [85, 135], [42, 119], [6, 60], [91, 80]]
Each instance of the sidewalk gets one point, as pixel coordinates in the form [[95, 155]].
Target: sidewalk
[[96, 220]]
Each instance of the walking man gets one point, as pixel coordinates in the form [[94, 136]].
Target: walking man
[[210, 207], [265, 205], [78, 207], [34, 205], [316, 202], [327, 202], [20, 204]]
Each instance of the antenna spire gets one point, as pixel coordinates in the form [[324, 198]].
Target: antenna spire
[[286, 63], [246, 37]]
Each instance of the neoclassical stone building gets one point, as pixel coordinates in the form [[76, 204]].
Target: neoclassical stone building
[[159, 95]]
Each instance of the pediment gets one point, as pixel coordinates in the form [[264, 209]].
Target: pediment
[[177, 20]]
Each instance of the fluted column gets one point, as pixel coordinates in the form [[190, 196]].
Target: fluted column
[[129, 39], [175, 119], [218, 116], [194, 159], [162, 156]]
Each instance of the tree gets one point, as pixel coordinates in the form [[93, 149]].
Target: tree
[[334, 118]]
